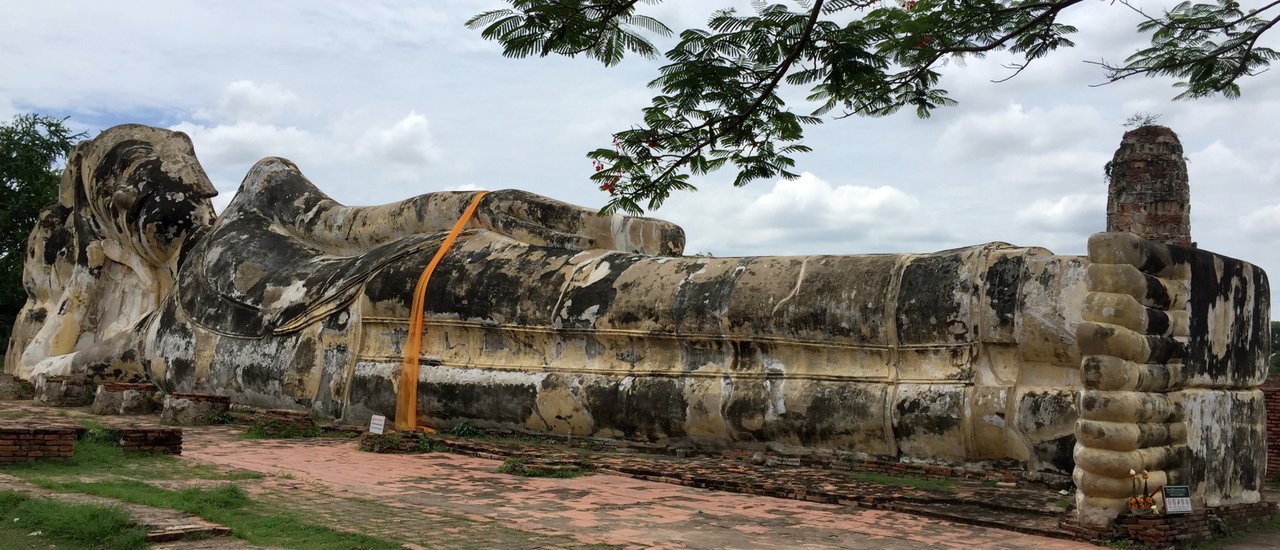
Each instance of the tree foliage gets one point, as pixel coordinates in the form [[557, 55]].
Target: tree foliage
[[31, 147], [718, 99]]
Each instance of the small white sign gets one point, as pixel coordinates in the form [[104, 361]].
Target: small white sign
[[377, 424], [1177, 499]]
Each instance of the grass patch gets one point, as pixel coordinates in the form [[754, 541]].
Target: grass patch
[[228, 505], [464, 429], [518, 467], [67, 524], [397, 442], [94, 457], [905, 481]]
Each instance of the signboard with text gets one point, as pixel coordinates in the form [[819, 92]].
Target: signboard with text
[[377, 424], [1177, 499]]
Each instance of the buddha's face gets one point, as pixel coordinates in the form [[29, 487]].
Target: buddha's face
[[148, 191]]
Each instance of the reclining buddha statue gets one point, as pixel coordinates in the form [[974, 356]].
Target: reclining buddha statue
[[544, 317]]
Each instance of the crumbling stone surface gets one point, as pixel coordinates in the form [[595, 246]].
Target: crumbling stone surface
[[12, 387], [63, 391], [125, 398], [185, 409], [1149, 194], [1175, 344]]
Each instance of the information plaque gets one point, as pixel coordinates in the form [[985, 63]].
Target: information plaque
[[1177, 499], [379, 423]]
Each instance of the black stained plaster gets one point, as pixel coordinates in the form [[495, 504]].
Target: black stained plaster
[[1055, 455], [1003, 281], [1248, 333], [749, 402], [511, 403], [694, 354], [599, 294], [833, 412], [1163, 349], [1157, 294], [1157, 322], [650, 408], [1040, 410], [927, 413], [375, 393], [927, 303], [482, 285], [697, 304]]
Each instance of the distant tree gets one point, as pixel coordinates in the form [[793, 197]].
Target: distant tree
[[1274, 361], [719, 101], [31, 148]]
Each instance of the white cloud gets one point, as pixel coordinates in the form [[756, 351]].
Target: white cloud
[[1018, 130], [807, 215], [1079, 214], [406, 142], [251, 101], [1263, 221]]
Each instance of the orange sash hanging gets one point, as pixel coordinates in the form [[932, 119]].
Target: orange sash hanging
[[407, 396]]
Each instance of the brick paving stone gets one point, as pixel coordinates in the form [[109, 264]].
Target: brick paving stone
[[441, 500], [444, 500]]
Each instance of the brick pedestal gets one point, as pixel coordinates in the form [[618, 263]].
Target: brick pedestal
[[193, 409], [21, 444], [124, 398], [63, 391], [12, 387], [1271, 396], [285, 422], [150, 440]]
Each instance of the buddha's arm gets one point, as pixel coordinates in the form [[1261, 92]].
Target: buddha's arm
[[281, 192]]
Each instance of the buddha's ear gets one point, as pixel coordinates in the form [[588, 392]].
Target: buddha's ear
[[72, 176], [124, 198]]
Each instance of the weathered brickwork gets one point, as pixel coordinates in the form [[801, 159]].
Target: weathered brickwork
[[12, 387], [1149, 194], [152, 439], [22, 444], [1271, 395], [193, 409], [63, 391], [1201, 525], [125, 398]]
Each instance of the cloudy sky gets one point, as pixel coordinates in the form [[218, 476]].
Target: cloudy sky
[[379, 101]]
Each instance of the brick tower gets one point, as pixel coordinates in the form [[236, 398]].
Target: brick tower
[[1148, 193]]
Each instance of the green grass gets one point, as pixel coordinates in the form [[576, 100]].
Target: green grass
[[517, 467], [228, 505], [94, 457], [66, 525], [904, 481]]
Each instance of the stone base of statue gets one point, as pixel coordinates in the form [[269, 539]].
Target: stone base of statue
[[125, 398], [63, 391], [191, 409], [12, 387]]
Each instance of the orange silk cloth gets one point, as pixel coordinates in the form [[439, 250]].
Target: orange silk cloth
[[407, 396]]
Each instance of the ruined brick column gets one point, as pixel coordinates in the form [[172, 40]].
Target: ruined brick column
[[1148, 194]]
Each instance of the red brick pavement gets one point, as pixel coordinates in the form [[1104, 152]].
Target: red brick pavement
[[592, 509]]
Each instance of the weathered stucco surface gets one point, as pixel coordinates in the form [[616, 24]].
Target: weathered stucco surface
[[546, 317], [1175, 343]]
